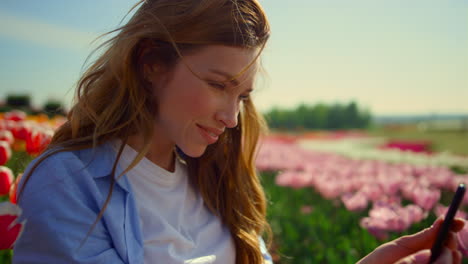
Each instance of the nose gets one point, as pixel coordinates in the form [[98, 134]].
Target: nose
[[228, 114]]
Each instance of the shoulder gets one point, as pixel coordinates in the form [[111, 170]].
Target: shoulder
[[59, 203], [55, 167]]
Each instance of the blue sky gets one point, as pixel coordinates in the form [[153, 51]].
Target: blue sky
[[391, 56]]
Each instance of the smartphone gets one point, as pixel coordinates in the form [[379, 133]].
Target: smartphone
[[445, 228]]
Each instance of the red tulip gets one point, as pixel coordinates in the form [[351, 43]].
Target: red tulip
[[6, 179], [7, 136], [414, 146], [10, 228], [37, 140], [21, 130], [6, 124], [5, 152], [15, 115], [13, 189]]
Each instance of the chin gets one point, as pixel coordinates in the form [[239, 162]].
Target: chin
[[194, 152]]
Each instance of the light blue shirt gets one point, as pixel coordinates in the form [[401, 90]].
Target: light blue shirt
[[61, 202]]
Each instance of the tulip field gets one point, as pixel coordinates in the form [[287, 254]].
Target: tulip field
[[333, 196], [22, 138]]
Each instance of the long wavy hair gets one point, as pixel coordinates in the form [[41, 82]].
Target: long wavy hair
[[113, 100]]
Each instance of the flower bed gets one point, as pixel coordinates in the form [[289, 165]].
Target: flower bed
[[386, 198]]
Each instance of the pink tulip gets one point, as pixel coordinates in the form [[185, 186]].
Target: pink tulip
[[426, 198], [372, 192], [462, 236], [329, 189], [385, 218], [440, 210], [374, 227], [306, 209], [5, 152], [413, 214], [357, 182], [10, 228], [6, 179], [355, 202], [293, 179], [389, 217]]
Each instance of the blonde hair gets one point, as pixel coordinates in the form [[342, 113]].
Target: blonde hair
[[113, 101]]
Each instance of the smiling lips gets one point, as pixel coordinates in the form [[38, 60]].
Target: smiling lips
[[210, 134]]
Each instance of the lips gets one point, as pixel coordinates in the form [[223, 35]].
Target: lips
[[210, 134]]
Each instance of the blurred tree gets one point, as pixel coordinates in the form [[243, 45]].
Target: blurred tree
[[18, 101], [319, 116], [53, 107]]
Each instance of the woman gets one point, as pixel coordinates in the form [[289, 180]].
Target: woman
[[156, 161]]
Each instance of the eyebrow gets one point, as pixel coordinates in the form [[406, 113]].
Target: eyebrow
[[229, 77]]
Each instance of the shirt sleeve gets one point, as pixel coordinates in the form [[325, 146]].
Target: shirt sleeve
[[266, 256], [58, 217]]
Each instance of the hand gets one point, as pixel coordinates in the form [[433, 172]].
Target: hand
[[416, 248]]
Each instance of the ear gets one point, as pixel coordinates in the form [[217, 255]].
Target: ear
[[142, 57], [149, 72]]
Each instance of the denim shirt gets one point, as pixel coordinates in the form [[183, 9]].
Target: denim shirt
[[60, 203]]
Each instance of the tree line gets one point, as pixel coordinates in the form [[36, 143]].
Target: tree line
[[319, 116], [23, 102]]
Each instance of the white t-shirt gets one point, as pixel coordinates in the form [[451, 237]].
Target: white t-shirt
[[176, 225]]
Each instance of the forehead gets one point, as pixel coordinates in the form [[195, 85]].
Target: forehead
[[231, 60]]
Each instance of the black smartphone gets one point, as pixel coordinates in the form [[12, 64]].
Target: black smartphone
[[445, 228]]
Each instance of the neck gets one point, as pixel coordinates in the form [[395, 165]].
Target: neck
[[160, 153]]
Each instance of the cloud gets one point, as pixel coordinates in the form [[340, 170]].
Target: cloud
[[45, 34]]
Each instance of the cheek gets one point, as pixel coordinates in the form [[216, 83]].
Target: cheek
[[197, 99], [186, 101]]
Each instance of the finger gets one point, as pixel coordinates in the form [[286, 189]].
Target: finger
[[452, 241], [445, 257], [458, 224], [457, 257], [422, 239], [420, 257]]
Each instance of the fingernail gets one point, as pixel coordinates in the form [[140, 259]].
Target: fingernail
[[422, 256]]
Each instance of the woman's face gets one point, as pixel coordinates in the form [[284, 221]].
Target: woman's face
[[193, 112]]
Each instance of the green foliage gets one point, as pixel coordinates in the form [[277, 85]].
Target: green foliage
[[319, 116], [23, 102], [18, 101], [6, 256], [52, 108]]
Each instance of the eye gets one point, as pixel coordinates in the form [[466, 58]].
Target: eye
[[216, 85], [244, 98]]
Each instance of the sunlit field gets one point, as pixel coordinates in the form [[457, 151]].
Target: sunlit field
[[333, 196], [319, 221], [453, 141]]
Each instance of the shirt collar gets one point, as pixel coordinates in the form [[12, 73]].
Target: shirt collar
[[100, 160]]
